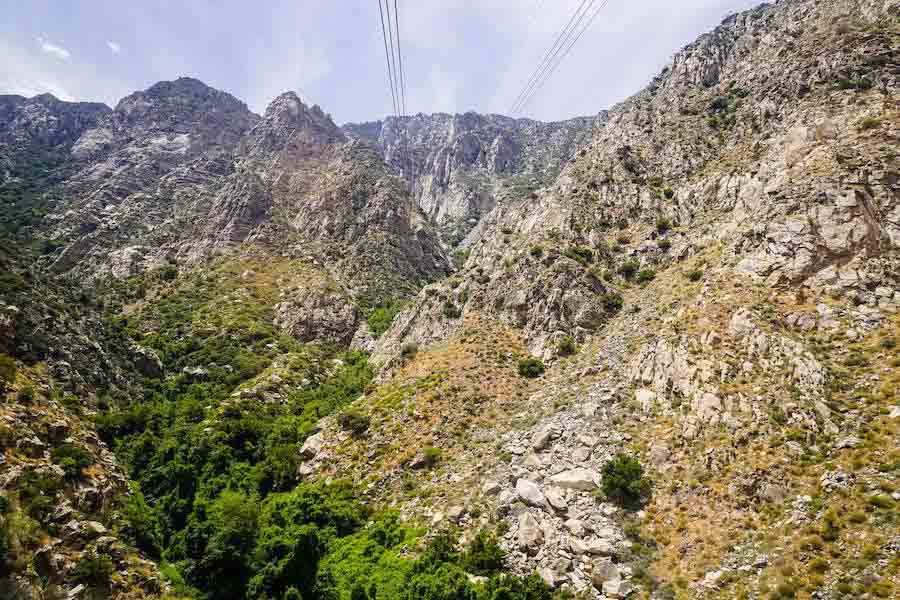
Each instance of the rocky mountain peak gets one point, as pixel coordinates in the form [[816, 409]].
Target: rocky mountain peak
[[290, 126], [182, 106]]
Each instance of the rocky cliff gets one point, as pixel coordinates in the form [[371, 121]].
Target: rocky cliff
[[465, 164]]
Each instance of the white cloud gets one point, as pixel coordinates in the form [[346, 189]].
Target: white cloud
[[114, 47], [54, 50], [22, 73]]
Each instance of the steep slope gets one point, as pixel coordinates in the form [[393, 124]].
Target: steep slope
[[722, 259], [465, 163], [190, 173], [36, 137]]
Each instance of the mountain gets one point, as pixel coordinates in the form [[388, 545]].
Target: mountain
[[465, 163], [238, 362]]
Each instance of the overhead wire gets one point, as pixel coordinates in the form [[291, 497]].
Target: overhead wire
[[547, 57], [559, 61], [387, 57], [409, 162]]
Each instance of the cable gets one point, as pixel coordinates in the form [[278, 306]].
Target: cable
[[406, 160], [543, 70], [566, 53], [546, 59], [387, 58]]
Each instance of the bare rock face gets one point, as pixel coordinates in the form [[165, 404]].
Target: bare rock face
[[314, 315], [45, 121], [464, 164], [191, 173]]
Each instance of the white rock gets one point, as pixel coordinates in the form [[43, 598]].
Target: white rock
[[530, 493], [600, 547], [556, 499], [646, 399], [603, 570], [531, 536], [617, 588], [312, 446], [490, 488], [575, 527], [541, 439], [577, 479]]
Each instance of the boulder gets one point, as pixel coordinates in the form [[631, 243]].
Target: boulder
[[577, 479], [617, 588], [541, 439], [531, 536], [556, 499], [530, 493], [603, 570], [312, 446]]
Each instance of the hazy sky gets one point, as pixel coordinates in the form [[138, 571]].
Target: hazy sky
[[459, 54]]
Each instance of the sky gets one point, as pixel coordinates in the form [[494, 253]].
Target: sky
[[459, 55]]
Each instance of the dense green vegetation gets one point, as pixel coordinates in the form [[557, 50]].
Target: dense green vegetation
[[23, 198], [213, 449]]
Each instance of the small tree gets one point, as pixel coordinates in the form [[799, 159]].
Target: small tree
[[483, 556], [7, 372], [566, 345], [531, 367], [354, 421], [72, 459], [624, 481]]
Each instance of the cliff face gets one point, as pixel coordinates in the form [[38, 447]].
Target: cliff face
[[181, 172], [465, 164]]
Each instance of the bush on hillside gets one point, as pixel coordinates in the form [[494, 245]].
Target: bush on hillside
[[8, 372], [624, 481], [531, 367], [566, 345], [72, 459]]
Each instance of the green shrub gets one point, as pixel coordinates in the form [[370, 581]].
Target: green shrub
[[624, 481], [663, 224], [72, 459], [536, 251], [612, 302], [93, 569], [25, 395], [695, 275], [140, 523], [381, 317], [531, 367], [354, 421], [451, 311], [669, 193], [483, 556], [8, 371], [629, 268], [645, 275], [431, 455], [566, 345], [719, 104], [869, 123], [664, 244], [881, 501], [580, 254]]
